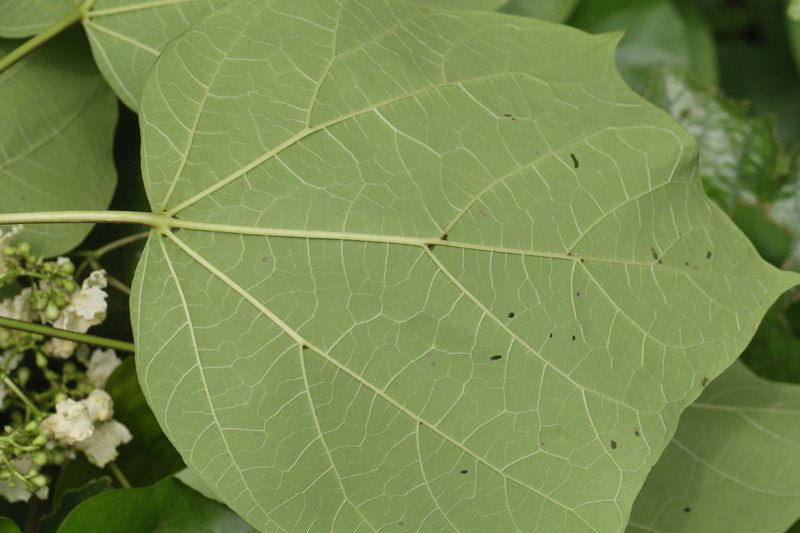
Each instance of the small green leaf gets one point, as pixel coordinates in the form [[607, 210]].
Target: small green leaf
[[55, 139], [739, 155], [126, 37], [24, 18], [552, 10], [50, 523], [403, 285], [732, 464], [169, 506], [8, 526]]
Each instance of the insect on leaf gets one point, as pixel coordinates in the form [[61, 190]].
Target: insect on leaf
[[373, 201]]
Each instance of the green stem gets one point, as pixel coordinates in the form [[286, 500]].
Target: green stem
[[49, 331], [119, 243], [21, 395], [38, 40], [119, 475]]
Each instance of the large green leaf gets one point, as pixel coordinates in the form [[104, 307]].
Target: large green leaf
[[23, 18], [444, 270], [56, 137], [732, 465]]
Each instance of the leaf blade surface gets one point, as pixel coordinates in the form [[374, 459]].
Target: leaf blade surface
[[404, 288]]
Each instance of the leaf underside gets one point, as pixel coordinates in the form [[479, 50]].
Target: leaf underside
[[732, 465], [437, 269], [56, 146]]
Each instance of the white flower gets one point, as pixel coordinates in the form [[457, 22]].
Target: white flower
[[86, 308], [100, 405], [18, 307], [101, 447], [5, 239], [101, 365], [71, 422]]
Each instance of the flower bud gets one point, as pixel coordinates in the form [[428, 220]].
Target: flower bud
[[32, 426], [60, 397], [52, 312], [40, 481], [57, 457], [32, 472], [39, 458], [67, 269], [23, 375], [5, 474], [40, 440], [41, 360], [8, 250], [59, 299], [24, 248], [69, 285], [12, 483]]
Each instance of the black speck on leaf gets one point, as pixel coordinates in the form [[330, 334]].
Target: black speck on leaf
[[581, 259], [686, 263], [687, 509], [444, 237], [483, 213], [574, 160], [464, 471], [635, 432], [578, 293], [704, 382], [708, 254], [511, 315], [495, 357], [175, 230], [305, 346], [573, 337], [551, 335], [265, 260], [613, 445], [655, 255], [431, 247]]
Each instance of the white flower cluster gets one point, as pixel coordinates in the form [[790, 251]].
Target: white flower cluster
[[86, 307], [88, 424]]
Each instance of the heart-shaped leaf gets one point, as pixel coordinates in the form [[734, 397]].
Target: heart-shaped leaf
[[432, 269]]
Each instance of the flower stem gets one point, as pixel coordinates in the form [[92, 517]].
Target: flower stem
[[21, 395], [119, 475], [38, 40], [50, 331], [119, 243]]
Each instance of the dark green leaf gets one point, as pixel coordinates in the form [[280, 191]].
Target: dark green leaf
[[552, 10], [8, 526], [169, 506], [71, 499]]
